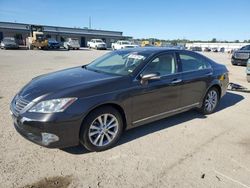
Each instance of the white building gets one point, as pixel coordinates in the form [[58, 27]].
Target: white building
[[227, 46]]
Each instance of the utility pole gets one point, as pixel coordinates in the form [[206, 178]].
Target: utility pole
[[89, 22]]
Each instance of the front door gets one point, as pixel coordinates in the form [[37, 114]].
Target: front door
[[158, 97]]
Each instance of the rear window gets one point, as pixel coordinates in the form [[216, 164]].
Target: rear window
[[193, 62]]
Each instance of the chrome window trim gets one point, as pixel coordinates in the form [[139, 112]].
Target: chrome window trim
[[167, 112]]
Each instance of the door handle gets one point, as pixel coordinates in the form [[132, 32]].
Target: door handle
[[176, 81]]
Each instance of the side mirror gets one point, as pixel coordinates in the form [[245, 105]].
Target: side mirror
[[153, 76]]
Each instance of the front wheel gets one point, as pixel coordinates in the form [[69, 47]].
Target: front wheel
[[248, 78], [210, 101], [101, 129]]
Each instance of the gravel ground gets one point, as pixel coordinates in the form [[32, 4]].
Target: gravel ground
[[186, 150]]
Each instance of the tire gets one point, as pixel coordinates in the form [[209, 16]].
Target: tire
[[248, 78], [101, 139], [210, 101]]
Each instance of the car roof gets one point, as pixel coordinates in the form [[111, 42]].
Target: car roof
[[152, 50]]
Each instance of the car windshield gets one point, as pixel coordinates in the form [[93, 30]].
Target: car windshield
[[98, 40], [8, 40], [246, 47], [52, 40], [119, 62], [74, 41]]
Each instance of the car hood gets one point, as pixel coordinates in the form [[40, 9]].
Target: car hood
[[243, 51], [61, 81]]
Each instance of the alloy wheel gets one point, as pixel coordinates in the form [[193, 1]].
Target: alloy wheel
[[211, 100], [103, 130]]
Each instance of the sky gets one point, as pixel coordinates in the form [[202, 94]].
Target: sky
[[175, 19]]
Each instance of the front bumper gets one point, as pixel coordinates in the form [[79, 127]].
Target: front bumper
[[54, 46], [101, 47], [10, 47], [239, 61], [65, 132]]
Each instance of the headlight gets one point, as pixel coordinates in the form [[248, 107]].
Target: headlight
[[54, 105]]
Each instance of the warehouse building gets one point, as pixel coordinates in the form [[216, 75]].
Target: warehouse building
[[21, 31]]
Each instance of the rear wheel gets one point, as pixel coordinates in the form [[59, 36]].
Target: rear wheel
[[101, 129], [210, 101]]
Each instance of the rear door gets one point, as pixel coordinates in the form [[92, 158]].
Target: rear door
[[196, 76], [158, 97]]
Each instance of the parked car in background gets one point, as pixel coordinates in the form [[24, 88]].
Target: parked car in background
[[71, 43], [222, 50], [206, 49], [241, 56], [9, 43], [248, 70], [214, 49], [177, 47], [121, 44], [97, 44], [53, 44], [93, 104], [196, 49]]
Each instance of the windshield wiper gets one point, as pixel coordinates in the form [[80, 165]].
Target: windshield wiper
[[94, 70]]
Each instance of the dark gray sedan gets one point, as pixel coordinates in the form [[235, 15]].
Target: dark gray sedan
[[9, 43], [95, 103]]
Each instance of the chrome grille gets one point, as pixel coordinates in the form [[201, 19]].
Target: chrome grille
[[19, 104], [241, 55]]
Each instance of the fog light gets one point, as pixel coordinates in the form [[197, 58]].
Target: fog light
[[48, 138]]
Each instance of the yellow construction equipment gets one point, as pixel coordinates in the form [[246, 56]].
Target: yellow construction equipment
[[146, 43], [37, 38]]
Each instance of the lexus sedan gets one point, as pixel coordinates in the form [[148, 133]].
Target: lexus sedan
[[93, 104]]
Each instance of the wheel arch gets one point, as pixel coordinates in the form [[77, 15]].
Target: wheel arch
[[214, 84], [116, 106], [218, 87]]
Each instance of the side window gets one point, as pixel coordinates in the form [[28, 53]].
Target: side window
[[192, 62], [162, 65]]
